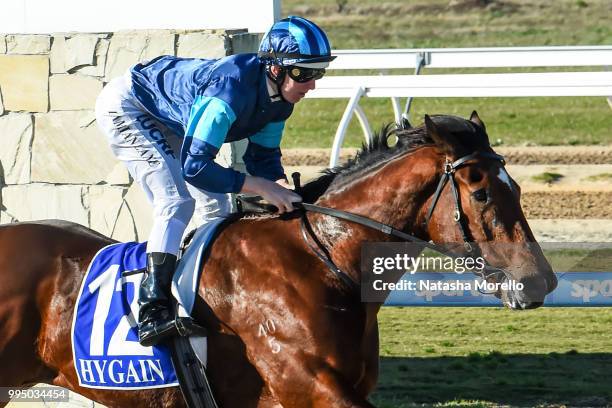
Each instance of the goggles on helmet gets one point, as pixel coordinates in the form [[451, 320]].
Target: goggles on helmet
[[303, 74]]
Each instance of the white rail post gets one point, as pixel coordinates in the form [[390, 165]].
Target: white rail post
[[422, 59], [343, 125], [365, 124], [397, 111]]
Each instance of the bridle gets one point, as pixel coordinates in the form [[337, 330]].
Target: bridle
[[449, 176], [450, 168]]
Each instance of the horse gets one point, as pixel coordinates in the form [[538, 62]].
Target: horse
[[284, 330]]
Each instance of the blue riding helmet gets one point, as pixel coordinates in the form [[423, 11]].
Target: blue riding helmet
[[295, 41]]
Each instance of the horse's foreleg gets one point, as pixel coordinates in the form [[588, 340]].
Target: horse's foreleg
[[331, 391], [370, 359], [297, 386]]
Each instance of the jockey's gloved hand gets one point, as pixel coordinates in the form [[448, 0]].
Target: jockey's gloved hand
[[274, 193]]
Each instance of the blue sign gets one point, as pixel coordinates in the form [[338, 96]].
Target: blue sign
[[451, 289], [105, 344]]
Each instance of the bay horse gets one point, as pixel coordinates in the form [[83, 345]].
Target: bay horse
[[284, 330]]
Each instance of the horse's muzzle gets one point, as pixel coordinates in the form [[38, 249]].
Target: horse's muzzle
[[531, 295]]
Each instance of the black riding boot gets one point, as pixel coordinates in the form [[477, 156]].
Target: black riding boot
[[155, 321]]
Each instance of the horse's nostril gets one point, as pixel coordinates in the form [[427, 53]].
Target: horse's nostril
[[533, 291]]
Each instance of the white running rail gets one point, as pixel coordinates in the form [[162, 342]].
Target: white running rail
[[584, 83]]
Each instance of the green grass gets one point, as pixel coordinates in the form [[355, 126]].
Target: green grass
[[432, 23], [547, 177], [547, 357], [419, 24], [580, 260], [484, 357]]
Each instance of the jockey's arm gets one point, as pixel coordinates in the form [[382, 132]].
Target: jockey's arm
[[207, 129], [263, 160], [263, 156], [210, 121]]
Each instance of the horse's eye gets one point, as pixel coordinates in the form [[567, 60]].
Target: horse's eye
[[480, 195]]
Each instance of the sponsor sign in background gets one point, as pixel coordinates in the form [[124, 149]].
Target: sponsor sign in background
[[401, 274], [574, 289]]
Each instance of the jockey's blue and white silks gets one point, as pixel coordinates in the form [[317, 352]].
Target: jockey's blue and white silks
[[210, 102], [167, 118], [105, 344]]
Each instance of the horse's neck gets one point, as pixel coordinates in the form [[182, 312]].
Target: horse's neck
[[391, 194]]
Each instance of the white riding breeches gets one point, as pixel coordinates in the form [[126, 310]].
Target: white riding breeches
[[151, 153]]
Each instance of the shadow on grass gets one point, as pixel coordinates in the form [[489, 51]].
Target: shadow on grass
[[509, 379]]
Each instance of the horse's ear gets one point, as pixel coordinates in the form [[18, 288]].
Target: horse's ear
[[444, 140], [476, 119]]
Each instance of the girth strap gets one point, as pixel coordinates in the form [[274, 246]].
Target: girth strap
[[323, 254]]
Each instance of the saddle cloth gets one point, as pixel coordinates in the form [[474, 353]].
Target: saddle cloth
[[105, 346]]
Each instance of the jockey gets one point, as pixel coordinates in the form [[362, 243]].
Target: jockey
[[166, 119]]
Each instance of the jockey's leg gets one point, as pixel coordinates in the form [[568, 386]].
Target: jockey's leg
[[143, 144], [155, 320]]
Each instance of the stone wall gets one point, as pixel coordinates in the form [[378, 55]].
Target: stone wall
[[54, 162]]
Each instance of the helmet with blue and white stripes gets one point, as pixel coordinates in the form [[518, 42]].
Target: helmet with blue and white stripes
[[295, 41]]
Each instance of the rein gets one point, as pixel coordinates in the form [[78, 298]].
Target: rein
[[448, 176]]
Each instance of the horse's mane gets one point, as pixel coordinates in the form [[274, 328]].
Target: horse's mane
[[379, 151]]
